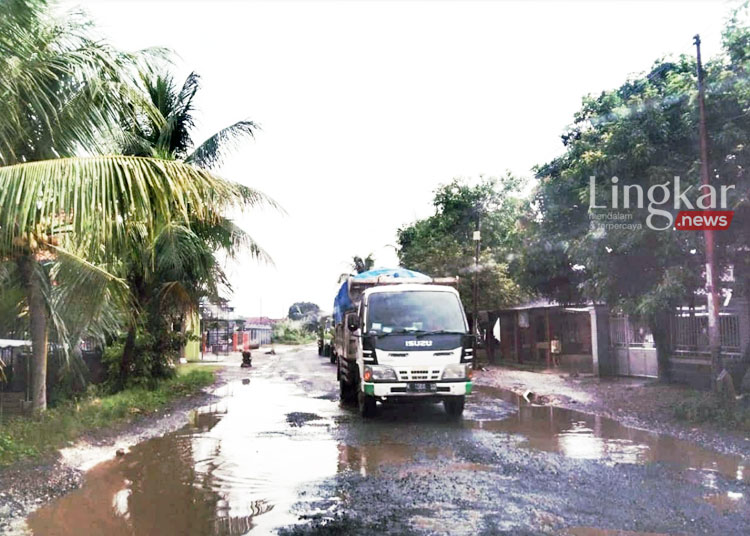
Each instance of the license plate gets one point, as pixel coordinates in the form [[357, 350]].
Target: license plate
[[422, 387]]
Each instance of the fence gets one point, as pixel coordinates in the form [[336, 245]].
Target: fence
[[634, 351], [689, 332]]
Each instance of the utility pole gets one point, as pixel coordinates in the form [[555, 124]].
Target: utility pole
[[712, 290], [475, 298]]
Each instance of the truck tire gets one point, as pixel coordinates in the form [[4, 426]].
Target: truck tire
[[347, 394], [367, 404], [346, 389], [454, 406]]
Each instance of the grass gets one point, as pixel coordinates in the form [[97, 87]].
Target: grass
[[709, 408], [23, 438]]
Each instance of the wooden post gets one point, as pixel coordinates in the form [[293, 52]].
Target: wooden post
[[516, 342], [549, 339], [712, 276]]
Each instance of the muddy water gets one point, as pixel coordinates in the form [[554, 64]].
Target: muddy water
[[581, 435], [241, 465], [236, 467]]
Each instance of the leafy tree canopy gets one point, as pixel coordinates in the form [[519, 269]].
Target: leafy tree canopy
[[644, 133], [442, 245], [303, 310]]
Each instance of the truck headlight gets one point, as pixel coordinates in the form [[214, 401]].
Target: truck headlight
[[457, 371], [379, 374]]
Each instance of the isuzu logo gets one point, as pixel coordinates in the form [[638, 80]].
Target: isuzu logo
[[418, 343]]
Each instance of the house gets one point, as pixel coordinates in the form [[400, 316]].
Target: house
[[545, 333], [592, 338]]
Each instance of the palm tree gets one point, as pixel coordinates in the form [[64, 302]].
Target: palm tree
[[62, 94], [168, 133], [170, 272]]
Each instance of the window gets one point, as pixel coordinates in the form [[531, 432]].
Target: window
[[415, 311]]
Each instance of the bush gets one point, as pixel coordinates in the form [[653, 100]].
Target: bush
[[286, 332], [153, 359], [710, 408]]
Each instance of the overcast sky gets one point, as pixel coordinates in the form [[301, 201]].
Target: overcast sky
[[366, 107]]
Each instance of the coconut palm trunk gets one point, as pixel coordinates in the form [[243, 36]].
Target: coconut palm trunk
[[38, 326]]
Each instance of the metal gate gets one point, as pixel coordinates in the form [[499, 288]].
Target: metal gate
[[633, 347]]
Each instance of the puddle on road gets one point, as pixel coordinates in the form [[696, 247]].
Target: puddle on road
[[728, 502], [581, 435], [368, 459], [239, 466], [234, 469]]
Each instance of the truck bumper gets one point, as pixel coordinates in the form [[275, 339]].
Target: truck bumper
[[401, 390]]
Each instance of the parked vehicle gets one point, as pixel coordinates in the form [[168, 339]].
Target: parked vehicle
[[402, 336]]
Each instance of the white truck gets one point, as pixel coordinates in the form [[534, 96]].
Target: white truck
[[401, 336]]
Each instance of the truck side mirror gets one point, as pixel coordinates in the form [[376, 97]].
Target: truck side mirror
[[352, 322]]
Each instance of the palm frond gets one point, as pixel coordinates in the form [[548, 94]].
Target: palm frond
[[211, 153], [12, 301], [60, 89], [224, 234], [84, 299], [98, 199]]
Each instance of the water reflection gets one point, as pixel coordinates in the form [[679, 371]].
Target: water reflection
[[581, 435], [146, 492], [235, 468], [369, 459], [730, 501]]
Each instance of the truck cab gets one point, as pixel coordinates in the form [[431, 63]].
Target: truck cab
[[405, 342]]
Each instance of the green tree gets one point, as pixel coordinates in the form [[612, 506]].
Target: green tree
[[442, 245], [65, 93], [169, 272], [303, 311], [644, 133]]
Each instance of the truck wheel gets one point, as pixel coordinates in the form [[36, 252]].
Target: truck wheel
[[367, 404], [345, 392], [454, 406]]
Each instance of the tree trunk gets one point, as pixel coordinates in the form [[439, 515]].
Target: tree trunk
[[38, 318], [659, 324], [127, 356]]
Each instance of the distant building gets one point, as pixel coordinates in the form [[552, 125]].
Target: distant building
[[223, 331]]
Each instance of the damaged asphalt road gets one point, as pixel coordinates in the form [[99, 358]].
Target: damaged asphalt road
[[278, 453]]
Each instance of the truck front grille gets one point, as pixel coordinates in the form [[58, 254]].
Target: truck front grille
[[406, 375]]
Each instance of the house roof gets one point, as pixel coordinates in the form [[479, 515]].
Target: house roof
[[543, 303], [13, 343]]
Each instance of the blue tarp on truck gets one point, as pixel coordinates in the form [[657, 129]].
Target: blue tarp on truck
[[343, 302]]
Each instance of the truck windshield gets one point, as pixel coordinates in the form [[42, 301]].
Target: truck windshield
[[393, 312]]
